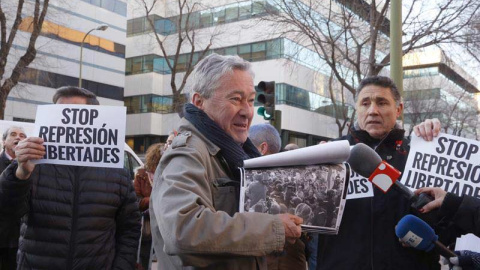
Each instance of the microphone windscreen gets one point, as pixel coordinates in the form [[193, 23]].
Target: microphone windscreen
[[363, 159], [416, 233]]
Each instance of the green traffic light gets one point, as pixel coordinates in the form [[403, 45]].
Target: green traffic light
[[261, 111]]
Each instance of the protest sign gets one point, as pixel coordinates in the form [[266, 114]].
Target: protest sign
[[82, 135], [359, 187], [449, 162]]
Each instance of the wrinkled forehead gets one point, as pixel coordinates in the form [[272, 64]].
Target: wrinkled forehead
[[16, 130], [375, 93]]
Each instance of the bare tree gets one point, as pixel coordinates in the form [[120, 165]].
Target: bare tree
[[421, 99], [351, 36], [9, 27], [342, 118], [173, 45], [455, 107]]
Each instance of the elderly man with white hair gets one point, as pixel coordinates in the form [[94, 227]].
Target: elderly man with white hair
[[195, 197]]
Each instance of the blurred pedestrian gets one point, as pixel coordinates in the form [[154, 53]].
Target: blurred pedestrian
[[143, 188], [9, 228], [265, 138]]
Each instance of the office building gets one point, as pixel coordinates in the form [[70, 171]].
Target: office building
[[58, 54], [301, 77]]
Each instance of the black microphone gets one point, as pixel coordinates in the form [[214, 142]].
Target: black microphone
[[418, 234], [366, 162]]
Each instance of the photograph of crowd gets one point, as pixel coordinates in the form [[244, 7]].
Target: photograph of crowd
[[312, 192]]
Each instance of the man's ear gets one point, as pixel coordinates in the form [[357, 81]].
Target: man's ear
[[263, 148], [198, 100], [399, 109]]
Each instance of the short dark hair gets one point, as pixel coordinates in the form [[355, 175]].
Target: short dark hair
[[381, 81], [74, 91]]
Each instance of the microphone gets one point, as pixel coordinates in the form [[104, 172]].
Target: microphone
[[418, 234], [366, 162]]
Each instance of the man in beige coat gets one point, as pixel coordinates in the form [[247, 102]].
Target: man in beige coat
[[195, 198]]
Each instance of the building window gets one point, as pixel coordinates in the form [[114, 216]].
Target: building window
[[219, 16], [244, 51], [245, 10], [112, 5], [231, 14], [424, 94], [272, 49], [18, 119], [149, 104], [54, 80], [303, 99], [140, 144], [71, 36], [205, 18], [420, 72]]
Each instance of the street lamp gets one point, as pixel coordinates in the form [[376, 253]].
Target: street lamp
[[101, 28]]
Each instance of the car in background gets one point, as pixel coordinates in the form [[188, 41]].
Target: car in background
[[131, 162]]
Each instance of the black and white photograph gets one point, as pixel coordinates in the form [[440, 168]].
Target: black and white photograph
[[313, 192]]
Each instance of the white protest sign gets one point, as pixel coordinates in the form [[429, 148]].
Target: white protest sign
[[468, 242], [359, 187], [449, 162], [82, 135]]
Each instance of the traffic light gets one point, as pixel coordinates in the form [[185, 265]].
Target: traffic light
[[267, 98]]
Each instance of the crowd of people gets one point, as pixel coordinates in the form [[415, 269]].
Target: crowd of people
[[311, 192], [185, 200]]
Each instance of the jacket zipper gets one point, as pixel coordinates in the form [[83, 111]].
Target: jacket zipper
[[225, 166], [73, 233], [371, 232]]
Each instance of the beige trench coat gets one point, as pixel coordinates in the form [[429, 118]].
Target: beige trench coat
[[195, 219]]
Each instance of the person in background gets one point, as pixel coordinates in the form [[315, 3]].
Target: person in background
[[464, 212], [266, 138], [73, 217], [11, 137], [169, 140], [9, 228], [290, 146], [143, 184]]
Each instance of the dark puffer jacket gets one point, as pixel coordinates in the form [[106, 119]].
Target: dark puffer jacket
[[367, 239], [9, 228], [73, 217]]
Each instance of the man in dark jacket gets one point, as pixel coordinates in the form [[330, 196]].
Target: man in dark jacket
[[9, 228], [73, 217], [366, 239]]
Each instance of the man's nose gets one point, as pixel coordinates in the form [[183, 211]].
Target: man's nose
[[373, 109], [246, 110]]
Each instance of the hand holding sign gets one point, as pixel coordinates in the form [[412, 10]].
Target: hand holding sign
[[428, 129], [27, 150], [449, 162]]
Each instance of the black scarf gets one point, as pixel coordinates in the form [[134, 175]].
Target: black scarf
[[233, 153]]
